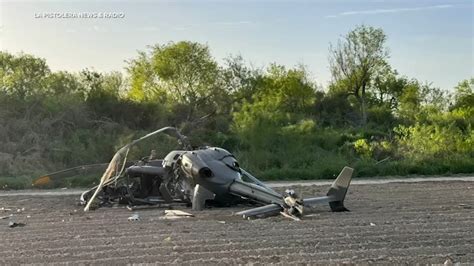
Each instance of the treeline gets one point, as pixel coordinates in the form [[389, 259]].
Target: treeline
[[277, 121]]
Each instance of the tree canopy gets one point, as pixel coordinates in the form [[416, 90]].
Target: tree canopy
[[276, 120]]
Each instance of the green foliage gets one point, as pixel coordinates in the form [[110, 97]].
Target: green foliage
[[188, 69], [464, 95], [22, 75], [355, 61], [283, 98], [363, 148], [277, 122], [17, 182], [420, 141], [334, 109]]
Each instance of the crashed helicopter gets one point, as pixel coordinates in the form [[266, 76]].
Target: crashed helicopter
[[197, 177]]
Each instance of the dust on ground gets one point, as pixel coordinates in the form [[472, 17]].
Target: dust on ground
[[425, 222]]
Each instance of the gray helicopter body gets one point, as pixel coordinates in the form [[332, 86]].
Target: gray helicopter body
[[199, 178]]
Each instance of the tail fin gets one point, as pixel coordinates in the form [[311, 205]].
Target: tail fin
[[338, 190]]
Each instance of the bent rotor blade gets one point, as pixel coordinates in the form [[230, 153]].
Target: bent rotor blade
[[70, 172]]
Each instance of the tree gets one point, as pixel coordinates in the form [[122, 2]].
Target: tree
[[64, 83], [285, 96], [183, 74], [333, 108], [356, 58], [239, 80], [187, 69], [143, 79], [387, 88], [22, 75], [464, 94]]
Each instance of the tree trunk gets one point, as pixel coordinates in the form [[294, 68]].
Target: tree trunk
[[363, 107]]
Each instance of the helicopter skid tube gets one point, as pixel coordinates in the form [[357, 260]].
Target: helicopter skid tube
[[260, 212]]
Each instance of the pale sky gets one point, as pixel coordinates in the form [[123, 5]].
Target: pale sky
[[432, 41]]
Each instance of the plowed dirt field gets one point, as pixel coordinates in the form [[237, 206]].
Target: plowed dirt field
[[425, 222]]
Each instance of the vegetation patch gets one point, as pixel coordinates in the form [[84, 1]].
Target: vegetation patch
[[277, 121]]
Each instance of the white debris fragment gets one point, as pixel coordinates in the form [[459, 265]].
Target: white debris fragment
[[448, 262], [372, 224], [134, 217], [175, 214]]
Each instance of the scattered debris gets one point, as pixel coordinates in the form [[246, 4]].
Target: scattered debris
[[372, 224], [15, 224], [290, 216], [221, 222], [465, 206], [448, 262], [175, 214], [5, 209], [168, 239], [4, 217], [134, 217]]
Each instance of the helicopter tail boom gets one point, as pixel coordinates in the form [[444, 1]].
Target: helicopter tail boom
[[336, 194], [335, 198]]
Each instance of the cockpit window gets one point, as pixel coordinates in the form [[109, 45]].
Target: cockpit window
[[231, 162]]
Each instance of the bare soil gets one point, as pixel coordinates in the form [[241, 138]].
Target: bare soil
[[424, 222]]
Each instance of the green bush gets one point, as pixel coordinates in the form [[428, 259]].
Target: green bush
[[17, 182], [279, 123]]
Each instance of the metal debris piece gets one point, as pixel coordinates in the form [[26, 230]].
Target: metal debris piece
[[175, 214], [372, 224], [290, 216], [134, 217], [448, 262], [178, 213], [4, 217], [12, 224]]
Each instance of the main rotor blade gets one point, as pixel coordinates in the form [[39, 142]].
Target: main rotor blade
[[70, 172]]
